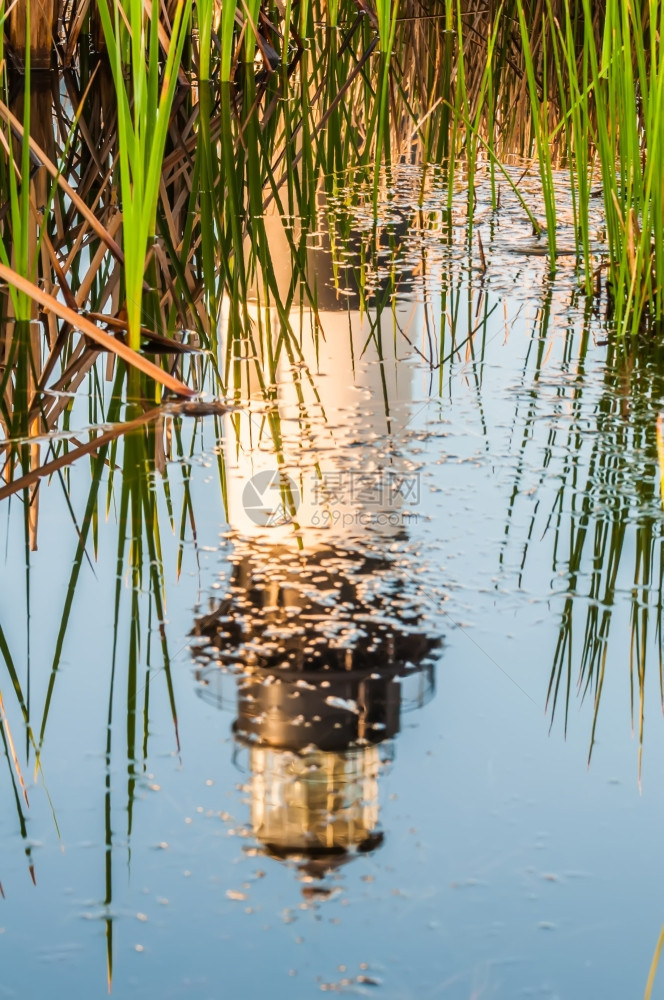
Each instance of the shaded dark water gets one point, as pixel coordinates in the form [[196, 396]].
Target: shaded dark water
[[409, 589]]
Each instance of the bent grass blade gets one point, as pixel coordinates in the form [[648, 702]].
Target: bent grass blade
[[30, 478], [128, 354], [653, 968]]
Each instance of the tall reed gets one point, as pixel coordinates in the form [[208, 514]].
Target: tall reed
[[144, 110]]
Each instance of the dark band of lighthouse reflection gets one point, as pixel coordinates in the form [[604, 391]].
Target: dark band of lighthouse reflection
[[318, 656]]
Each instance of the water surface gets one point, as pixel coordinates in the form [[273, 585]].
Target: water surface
[[389, 721]]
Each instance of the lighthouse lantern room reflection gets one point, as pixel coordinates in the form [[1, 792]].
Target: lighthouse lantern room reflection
[[327, 650]]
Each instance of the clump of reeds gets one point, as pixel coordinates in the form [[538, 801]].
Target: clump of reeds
[[145, 209], [602, 67]]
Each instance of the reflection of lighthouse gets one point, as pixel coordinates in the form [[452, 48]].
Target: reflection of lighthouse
[[322, 621], [330, 650], [326, 395]]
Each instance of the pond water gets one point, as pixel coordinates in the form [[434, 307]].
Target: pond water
[[359, 689]]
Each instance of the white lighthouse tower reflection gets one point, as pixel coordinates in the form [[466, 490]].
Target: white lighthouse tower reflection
[[323, 626]]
